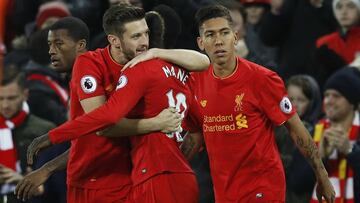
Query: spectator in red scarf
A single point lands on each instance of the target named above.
(17, 128)
(338, 133)
(341, 48)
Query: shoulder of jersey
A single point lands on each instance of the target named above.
(153, 61)
(92, 57)
(93, 54)
(149, 63)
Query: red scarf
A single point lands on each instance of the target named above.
(340, 173)
(61, 92)
(8, 156)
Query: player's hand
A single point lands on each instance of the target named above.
(169, 120)
(8, 176)
(36, 146)
(324, 189)
(29, 185)
(149, 54)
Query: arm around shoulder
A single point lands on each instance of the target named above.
(189, 59)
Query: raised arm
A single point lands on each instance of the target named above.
(189, 59)
(306, 145)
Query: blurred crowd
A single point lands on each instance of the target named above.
(314, 45)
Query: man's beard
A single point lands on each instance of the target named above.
(129, 55)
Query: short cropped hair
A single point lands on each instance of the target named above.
(76, 28)
(13, 74)
(117, 16)
(210, 12)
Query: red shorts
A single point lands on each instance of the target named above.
(166, 188)
(108, 195)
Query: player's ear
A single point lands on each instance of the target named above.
(200, 43)
(114, 41)
(81, 45)
(236, 36)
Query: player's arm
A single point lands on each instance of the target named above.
(108, 114)
(306, 145)
(189, 59)
(117, 106)
(28, 186)
(194, 140)
(91, 99)
(192, 144)
(168, 120)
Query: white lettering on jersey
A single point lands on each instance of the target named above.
(180, 74)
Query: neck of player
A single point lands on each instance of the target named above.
(225, 69)
(117, 55)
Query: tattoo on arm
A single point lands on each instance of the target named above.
(310, 151)
(188, 146)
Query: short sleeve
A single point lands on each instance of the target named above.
(87, 78)
(273, 98)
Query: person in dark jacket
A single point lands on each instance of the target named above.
(340, 48)
(294, 26)
(338, 138)
(47, 97)
(18, 127)
(304, 94)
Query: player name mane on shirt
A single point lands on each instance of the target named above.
(179, 74)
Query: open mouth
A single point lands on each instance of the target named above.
(55, 62)
(140, 51)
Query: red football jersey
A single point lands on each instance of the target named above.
(148, 88)
(96, 162)
(238, 116)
